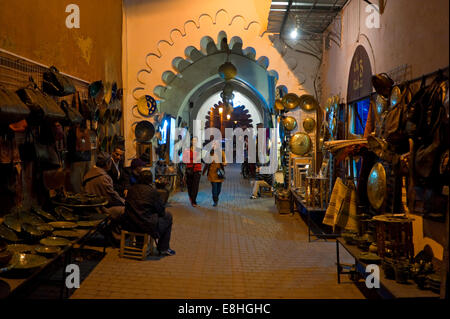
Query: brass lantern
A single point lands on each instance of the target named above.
(289, 123)
(227, 71)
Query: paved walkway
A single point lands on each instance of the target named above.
(241, 249)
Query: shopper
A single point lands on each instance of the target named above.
(261, 180)
(145, 213)
(192, 160)
(213, 171)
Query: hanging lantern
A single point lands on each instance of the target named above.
(227, 71)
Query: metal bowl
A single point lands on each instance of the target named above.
(144, 131)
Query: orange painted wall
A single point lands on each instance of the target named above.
(36, 29)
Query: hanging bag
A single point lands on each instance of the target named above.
(72, 114)
(42, 106)
(12, 109)
(56, 84)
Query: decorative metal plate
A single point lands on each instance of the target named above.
(27, 261)
(54, 241)
(146, 105)
(309, 124)
(289, 123)
(47, 250)
(8, 234)
(376, 186)
(63, 225)
(308, 103)
(300, 143)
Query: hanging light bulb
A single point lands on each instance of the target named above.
(294, 34)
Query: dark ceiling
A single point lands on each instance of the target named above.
(310, 17)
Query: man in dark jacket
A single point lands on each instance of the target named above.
(145, 213)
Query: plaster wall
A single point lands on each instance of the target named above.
(36, 29)
(412, 32)
(156, 32)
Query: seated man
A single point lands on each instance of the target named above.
(130, 174)
(145, 213)
(262, 180)
(98, 182)
(116, 170)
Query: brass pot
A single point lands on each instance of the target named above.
(279, 105)
(290, 101)
(289, 123)
(308, 103)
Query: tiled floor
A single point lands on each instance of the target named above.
(241, 249)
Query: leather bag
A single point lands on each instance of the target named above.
(56, 84)
(72, 114)
(12, 109)
(382, 84)
(41, 105)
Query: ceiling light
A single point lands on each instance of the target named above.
(294, 34)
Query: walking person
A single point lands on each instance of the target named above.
(215, 172)
(192, 160)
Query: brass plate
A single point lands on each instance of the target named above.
(88, 223)
(396, 95)
(290, 101)
(289, 123)
(47, 250)
(279, 105)
(63, 225)
(146, 105)
(13, 222)
(8, 234)
(21, 248)
(376, 186)
(381, 105)
(308, 103)
(27, 261)
(300, 143)
(66, 233)
(309, 124)
(54, 241)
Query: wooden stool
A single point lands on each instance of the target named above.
(136, 245)
(265, 191)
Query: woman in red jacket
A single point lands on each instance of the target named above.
(192, 160)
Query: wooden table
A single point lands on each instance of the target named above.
(299, 204)
(389, 289)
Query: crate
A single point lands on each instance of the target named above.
(283, 205)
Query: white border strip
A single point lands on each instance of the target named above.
(42, 65)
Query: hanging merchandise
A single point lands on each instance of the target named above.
(41, 105)
(300, 143)
(12, 109)
(382, 84)
(308, 103)
(290, 101)
(72, 114)
(146, 105)
(376, 186)
(309, 125)
(336, 201)
(56, 84)
(289, 123)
